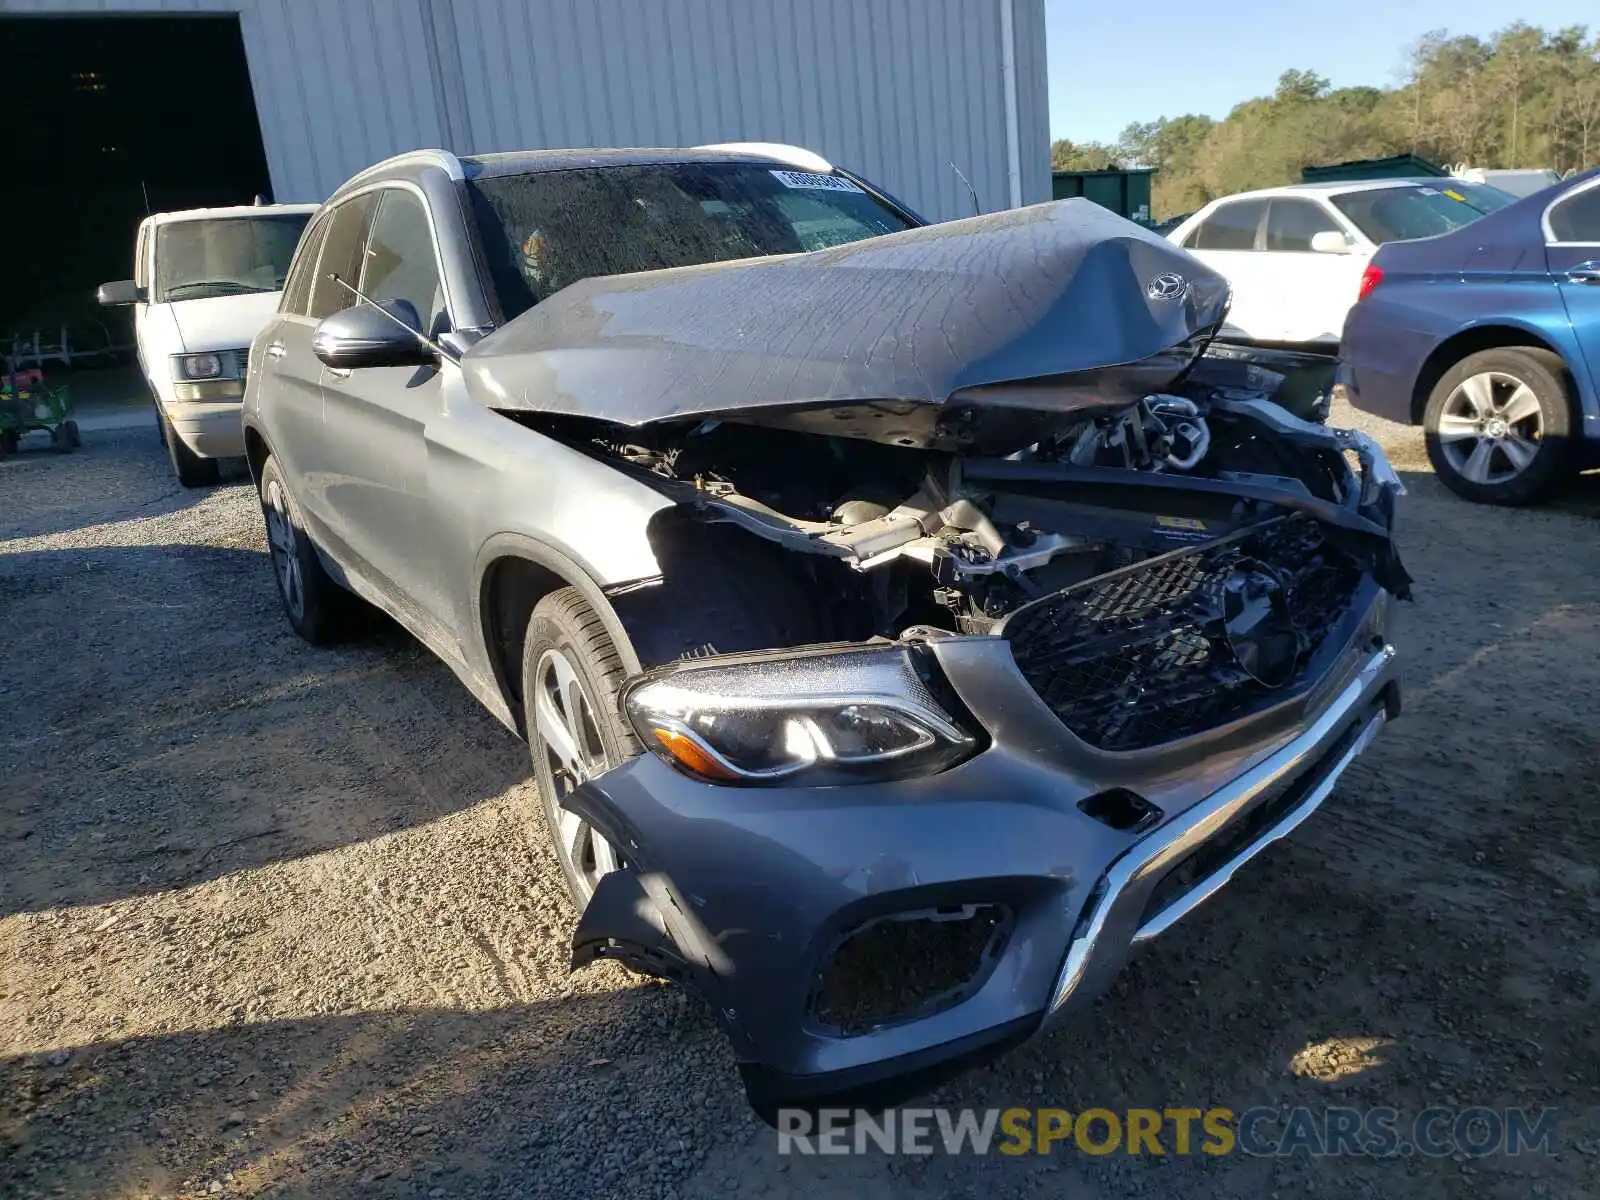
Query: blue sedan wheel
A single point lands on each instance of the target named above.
(1498, 425)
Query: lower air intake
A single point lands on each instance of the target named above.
(906, 966)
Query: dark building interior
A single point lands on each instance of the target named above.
(111, 118)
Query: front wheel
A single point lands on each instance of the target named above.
(571, 673)
(1499, 425)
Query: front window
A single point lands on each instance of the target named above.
(1230, 227)
(1397, 214)
(225, 256)
(547, 229)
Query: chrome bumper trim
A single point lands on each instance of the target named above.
(1165, 847)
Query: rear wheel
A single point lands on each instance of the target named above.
(1499, 425)
(317, 607)
(189, 467)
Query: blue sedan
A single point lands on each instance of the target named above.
(1489, 338)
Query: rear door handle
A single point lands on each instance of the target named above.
(1588, 272)
(275, 349)
(338, 373)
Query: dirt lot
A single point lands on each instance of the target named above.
(270, 923)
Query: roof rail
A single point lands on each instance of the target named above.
(443, 159)
(795, 156)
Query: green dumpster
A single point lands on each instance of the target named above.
(1125, 192)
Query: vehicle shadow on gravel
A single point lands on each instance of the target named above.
(1581, 496)
(183, 731)
(584, 1094)
(118, 475)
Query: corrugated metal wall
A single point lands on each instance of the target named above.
(896, 89)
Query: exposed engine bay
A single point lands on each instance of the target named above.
(1158, 568)
(961, 541)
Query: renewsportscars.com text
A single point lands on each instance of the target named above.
(1260, 1132)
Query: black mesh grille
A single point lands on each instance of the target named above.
(1145, 655)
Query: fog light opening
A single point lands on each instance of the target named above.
(907, 966)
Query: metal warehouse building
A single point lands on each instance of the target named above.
(128, 104)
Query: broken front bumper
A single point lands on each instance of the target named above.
(747, 895)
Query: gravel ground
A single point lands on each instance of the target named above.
(271, 923)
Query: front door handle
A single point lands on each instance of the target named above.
(275, 349)
(1588, 272)
(338, 373)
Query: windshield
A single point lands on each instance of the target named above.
(547, 229)
(227, 256)
(1397, 214)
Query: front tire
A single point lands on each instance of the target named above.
(1498, 426)
(192, 470)
(318, 609)
(571, 673)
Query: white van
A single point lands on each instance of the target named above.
(204, 283)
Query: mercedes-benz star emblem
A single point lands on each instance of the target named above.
(1166, 286)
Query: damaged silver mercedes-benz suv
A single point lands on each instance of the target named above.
(905, 619)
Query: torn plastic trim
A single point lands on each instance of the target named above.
(1269, 488)
(1377, 474)
(635, 917)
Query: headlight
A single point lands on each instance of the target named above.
(215, 364)
(814, 719)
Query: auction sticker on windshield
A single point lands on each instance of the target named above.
(822, 183)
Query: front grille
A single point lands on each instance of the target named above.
(1169, 648)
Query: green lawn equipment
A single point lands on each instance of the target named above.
(27, 403)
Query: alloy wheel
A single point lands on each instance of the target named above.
(569, 737)
(1490, 427)
(281, 544)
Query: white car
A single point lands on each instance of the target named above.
(1296, 255)
(204, 283)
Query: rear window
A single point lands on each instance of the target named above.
(1398, 214)
(1577, 219)
(225, 256)
(544, 230)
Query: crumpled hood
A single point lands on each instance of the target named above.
(1066, 294)
(222, 322)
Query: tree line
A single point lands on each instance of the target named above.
(1522, 97)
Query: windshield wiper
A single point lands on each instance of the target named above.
(231, 286)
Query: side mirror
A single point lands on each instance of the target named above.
(122, 291)
(1330, 241)
(362, 336)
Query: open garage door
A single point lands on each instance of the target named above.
(111, 117)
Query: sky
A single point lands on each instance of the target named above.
(1115, 63)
